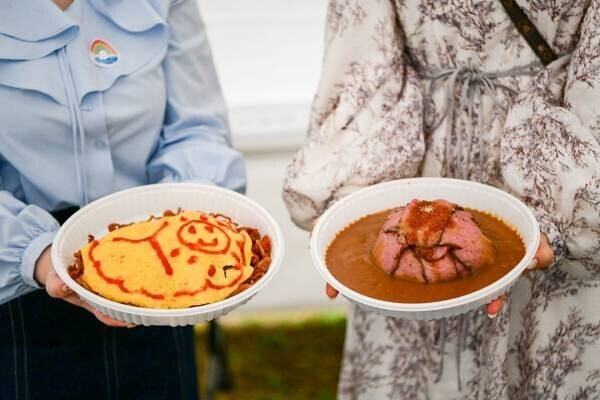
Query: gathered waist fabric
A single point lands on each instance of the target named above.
(463, 90)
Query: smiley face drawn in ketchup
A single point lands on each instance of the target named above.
(218, 243)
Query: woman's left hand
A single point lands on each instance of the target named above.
(543, 258)
(56, 288)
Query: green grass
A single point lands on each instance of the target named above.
(284, 360)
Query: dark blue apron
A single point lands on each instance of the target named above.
(50, 349)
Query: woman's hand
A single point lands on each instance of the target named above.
(330, 291)
(55, 287)
(543, 258)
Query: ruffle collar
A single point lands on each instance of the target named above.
(33, 20)
(133, 16)
(32, 29)
(136, 29)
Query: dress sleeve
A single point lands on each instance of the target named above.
(194, 144)
(366, 121)
(551, 154)
(25, 231)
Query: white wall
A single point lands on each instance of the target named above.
(268, 55)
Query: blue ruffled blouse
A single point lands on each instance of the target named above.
(106, 95)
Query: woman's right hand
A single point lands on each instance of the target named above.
(55, 287)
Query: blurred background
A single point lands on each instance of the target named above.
(268, 56)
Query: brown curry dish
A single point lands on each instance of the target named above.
(349, 258)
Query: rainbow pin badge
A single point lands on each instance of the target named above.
(103, 54)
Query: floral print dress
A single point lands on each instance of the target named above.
(450, 88)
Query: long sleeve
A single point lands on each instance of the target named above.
(366, 117)
(551, 154)
(25, 231)
(194, 143)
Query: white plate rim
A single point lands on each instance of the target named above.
(278, 247)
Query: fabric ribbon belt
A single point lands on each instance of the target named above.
(465, 89)
(472, 85)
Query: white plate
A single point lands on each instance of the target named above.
(397, 193)
(138, 204)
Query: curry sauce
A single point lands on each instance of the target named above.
(348, 258)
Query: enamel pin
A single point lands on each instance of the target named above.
(103, 54)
